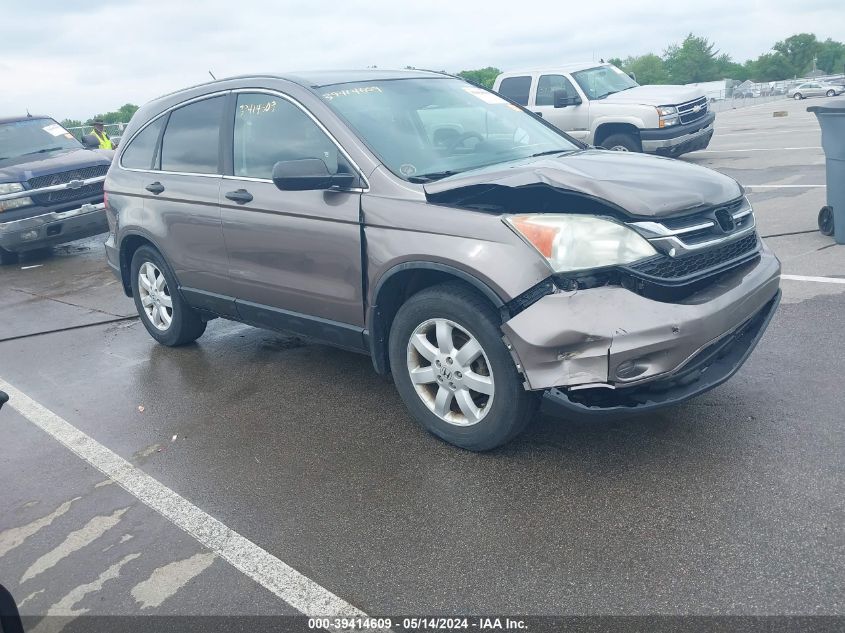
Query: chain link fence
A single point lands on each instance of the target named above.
(112, 129)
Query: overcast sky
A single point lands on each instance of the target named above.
(75, 59)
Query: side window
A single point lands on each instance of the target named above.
(269, 129)
(140, 152)
(516, 89)
(548, 84)
(191, 140)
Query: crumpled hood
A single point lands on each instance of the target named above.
(21, 168)
(637, 184)
(654, 95)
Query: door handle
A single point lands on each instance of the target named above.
(155, 187)
(241, 196)
(539, 114)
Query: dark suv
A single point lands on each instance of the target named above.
(51, 187)
(477, 253)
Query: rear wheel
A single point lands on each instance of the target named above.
(7, 258)
(163, 311)
(454, 373)
(826, 221)
(622, 143)
(831, 93)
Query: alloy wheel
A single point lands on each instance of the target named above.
(155, 296)
(450, 372)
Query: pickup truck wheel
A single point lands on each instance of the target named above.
(622, 143)
(7, 258)
(454, 373)
(163, 311)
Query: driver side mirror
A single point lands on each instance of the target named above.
(89, 141)
(308, 174)
(561, 100)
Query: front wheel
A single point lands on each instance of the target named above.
(622, 143)
(798, 96)
(7, 258)
(831, 93)
(454, 373)
(163, 311)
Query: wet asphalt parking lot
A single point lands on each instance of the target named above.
(327, 493)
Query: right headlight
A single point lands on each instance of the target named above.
(14, 203)
(667, 116)
(581, 242)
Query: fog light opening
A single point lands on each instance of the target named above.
(631, 369)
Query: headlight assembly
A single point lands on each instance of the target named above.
(580, 242)
(14, 203)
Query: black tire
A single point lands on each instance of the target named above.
(826, 221)
(798, 96)
(831, 93)
(511, 407)
(186, 325)
(8, 258)
(618, 141)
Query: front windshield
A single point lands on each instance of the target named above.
(34, 136)
(602, 81)
(424, 129)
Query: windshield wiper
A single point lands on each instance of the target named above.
(613, 92)
(435, 175)
(42, 151)
(551, 151)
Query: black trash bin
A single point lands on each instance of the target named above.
(832, 121)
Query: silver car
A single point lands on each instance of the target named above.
(815, 89)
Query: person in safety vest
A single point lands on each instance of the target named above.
(100, 134)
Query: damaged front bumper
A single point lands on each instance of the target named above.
(53, 228)
(609, 350)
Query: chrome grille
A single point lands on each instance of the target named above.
(692, 111)
(64, 177)
(699, 244)
(699, 230)
(708, 261)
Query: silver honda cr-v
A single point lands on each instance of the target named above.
(475, 252)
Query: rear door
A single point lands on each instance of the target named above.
(294, 256)
(182, 204)
(572, 119)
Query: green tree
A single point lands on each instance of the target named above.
(769, 67)
(648, 69)
(692, 61)
(121, 115)
(66, 123)
(482, 76)
(831, 56)
(729, 69)
(799, 50)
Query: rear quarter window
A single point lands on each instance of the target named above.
(140, 153)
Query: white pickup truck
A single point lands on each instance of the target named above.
(601, 105)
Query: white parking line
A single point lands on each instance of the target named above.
(297, 590)
(824, 280)
(782, 186)
(760, 149)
